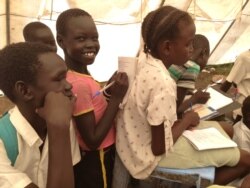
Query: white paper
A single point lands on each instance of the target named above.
(204, 111)
(209, 138)
(128, 65)
(217, 100)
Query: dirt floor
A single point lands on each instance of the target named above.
(207, 75)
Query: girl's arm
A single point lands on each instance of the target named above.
(158, 139)
(92, 133)
(198, 97)
(190, 119)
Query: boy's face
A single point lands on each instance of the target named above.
(182, 47)
(51, 76)
(80, 42)
(45, 36)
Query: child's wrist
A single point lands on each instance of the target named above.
(106, 95)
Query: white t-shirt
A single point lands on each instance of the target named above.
(242, 136)
(30, 165)
(151, 102)
(240, 75)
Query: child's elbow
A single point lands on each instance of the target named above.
(158, 151)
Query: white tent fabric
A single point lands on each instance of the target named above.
(225, 23)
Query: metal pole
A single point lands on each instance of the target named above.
(8, 22)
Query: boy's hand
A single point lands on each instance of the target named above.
(200, 97)
(192, 117)
(57, 109)
(119, 89)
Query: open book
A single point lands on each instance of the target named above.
(204, 111)
(217, 100)
(208, 138)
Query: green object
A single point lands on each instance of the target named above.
(9, 137)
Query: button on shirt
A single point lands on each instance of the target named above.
(30, 165)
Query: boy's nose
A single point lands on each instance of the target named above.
(67, 89)
(68, 86)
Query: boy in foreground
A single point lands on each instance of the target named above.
(34, 78)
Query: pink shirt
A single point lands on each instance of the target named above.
(85, 87)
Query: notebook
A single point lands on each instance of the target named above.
(208, 138)
(217, 100)
(204, 111)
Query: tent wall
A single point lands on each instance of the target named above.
(3, 36)
(225, 23)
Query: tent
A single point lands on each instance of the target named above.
(226, 23)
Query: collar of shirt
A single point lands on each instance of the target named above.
(24, 128)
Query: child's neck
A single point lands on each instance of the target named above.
(79, 68)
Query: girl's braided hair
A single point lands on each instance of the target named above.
(162, 24)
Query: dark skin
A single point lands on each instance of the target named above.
(182, 44)
(80, 45)
(225, 86)
(200, 56)
(246, 182)
(45, 36)
(47, 105)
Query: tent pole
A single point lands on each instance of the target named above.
(227, 31)
(8, 22)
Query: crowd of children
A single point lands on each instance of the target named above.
(63, 132)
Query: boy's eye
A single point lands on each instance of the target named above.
(60, 77)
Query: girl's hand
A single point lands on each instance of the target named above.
(192, 117)
(119, 89)
(200, 97)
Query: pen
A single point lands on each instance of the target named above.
(104, 88)
(191, 105)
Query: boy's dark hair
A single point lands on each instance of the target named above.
(200, 41)
(65, 16)
(19, 61)
(162, 24)
(246, 108)
(30, 28)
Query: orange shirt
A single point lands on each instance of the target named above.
(85, 87)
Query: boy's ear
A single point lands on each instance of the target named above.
(23, 91)
(59, 39)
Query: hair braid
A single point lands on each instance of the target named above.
(146, 30)
(161, 23)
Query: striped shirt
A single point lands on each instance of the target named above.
(185, 75)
